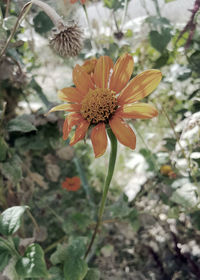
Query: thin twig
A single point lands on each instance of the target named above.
(116, 24)
(33, 220)
(23, 12)
(177, 137)
(7, 8)
(53, 245)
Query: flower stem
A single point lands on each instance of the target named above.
(124, 13)
(56, 19)
(112, 160)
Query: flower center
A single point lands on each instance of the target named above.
(99, 105)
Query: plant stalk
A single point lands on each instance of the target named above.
(22, 14)
(112, 160)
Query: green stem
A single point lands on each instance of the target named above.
(115, 20)
(93, 43)
(157, 8)
(124, 13)
(112, 160)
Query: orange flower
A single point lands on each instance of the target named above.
(105, 100)
(72, 184)
(74, 1)
(89, 65)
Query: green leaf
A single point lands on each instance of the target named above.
(92, 274)
(156, 21)
(77, 247)
(3, 37)
(59, 255)
(119, 208)
(10, 219)
(12, 170)
(56, 273)
(129, 33)
(162, 60)
(75, 268)
(184, 74)
(167, 1)
(4, 258)
(3, 149)
(114, 4)
(20, 125)
(42, 23)
(134, 220)
(150, 158)
(170, 143)
(195, 217)
(32, 264)
(194, 61)
(159, 41)
(9, 22)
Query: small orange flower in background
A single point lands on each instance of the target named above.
(105, 100)
(74, 1)
(72, 184)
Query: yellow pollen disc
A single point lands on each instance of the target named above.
(99, 105)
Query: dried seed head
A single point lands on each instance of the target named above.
(67, 39)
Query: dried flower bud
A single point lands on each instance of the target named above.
(67, 39)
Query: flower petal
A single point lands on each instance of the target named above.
(80, 132)
(82, 80)
(65, 129)
(102, 71)
(99, 139)
(137, 111)
(140, 86)
(122, 71)
(70, 94)
(123, 132)
(66, 107)
(71, 120)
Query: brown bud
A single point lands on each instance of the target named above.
(67, 40)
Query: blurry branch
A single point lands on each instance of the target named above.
(115, 20)
(147, 148)
(124, 13)
(157, 260)
(2, 117)
(177, 138)
(157, 7)
(191, 25)
(53, 245)
(39, 92)
(22, 14)
(7, 8)
(92, 41)
(33, 220)
(143, 3)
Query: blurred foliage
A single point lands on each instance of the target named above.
(151, 229)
